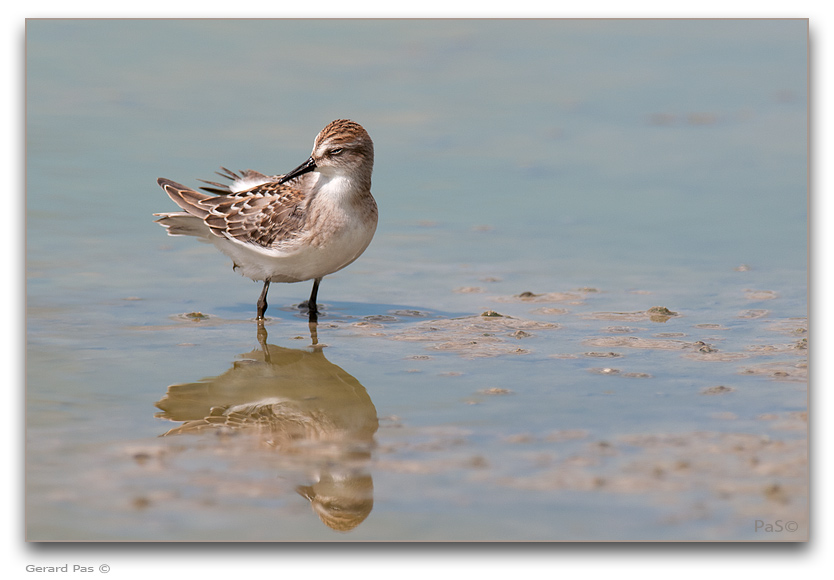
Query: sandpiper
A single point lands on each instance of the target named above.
(303, 225)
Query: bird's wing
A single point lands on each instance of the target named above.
(264, 215)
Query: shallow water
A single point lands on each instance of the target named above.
(566, 176)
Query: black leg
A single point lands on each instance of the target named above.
(262, 301)
(311, 303)
(312, 308)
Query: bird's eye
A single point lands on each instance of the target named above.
(337, 151)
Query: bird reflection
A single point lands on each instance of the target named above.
(300, 404)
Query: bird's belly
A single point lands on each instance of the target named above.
(309, 258)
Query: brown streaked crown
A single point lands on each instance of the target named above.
(345, 133)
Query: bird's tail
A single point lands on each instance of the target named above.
(184, 224)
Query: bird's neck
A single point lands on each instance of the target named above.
(341, 188)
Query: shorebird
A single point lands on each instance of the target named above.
(302, 225)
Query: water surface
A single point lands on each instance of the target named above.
(566, 176)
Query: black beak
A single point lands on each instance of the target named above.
(305, 167)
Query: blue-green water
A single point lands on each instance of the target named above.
(604, 166)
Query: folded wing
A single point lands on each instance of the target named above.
(265, 215)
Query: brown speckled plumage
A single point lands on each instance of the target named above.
(263, 215)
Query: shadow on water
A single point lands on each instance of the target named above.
(299, 404)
